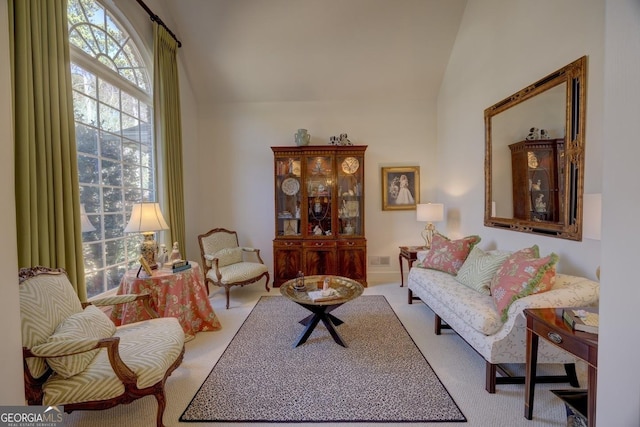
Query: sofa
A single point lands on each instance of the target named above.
(500, 338)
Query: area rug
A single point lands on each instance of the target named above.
(380, 377)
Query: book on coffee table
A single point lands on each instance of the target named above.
(318, 296)
(583, 319)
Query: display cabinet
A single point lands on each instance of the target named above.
(319, 212)
(538, 179)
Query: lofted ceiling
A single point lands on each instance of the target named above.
(314, 50)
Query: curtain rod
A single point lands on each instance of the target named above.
(157, 19)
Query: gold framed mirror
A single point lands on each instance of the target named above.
(534, 156)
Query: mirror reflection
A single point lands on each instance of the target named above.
(533, 166)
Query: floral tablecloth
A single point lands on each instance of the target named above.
(182, 295)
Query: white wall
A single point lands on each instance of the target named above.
(618, 375)
(12, 391)
(236, 165)
(501, 48)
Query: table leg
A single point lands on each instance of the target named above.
(530, 375)
(592, 377)
(401, 273)
(315, 319)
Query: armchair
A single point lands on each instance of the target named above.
(224, 261)
(73, 355)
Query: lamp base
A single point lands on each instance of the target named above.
(148, 250)
(427, 234)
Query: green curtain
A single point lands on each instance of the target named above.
(47, 189)
(166, 105)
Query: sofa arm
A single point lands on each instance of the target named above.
(568, 291)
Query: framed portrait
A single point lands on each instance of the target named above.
(400, 188)
(144, 265)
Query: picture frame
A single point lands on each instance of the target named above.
(144, 265)
(290, 227)
(400, 188)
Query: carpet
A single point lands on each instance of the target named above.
(380, 377)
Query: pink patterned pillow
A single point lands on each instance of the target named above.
(521, 275)
(449, 255)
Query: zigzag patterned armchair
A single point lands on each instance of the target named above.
(225, 264)
(76, 357)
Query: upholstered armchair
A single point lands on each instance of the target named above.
(76, 357)
(226, 264)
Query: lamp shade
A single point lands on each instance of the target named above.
(145, 217)
(592, 225)
(85, 224)
(430, 212)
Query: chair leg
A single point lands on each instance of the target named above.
(162, 404)
(226, 291)
(266, 283)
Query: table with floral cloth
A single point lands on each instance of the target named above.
(182, 295)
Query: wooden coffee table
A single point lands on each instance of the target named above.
(346, 289)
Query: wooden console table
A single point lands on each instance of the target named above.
(410, 253)
(548, 324)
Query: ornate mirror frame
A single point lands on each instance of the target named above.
(571, 185)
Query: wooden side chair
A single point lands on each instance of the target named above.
(74, 356)
(227, 264)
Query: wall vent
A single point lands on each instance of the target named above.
(379, 261)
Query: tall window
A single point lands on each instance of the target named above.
(114, 131)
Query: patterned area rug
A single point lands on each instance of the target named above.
(380, 377)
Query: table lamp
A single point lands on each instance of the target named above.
(146, 218)
(85, 224)
(429, 213)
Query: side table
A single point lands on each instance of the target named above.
(548, 324)
(182, 295)
(410, 253)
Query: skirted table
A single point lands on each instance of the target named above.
(182, 295)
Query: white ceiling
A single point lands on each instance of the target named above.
(315, 50)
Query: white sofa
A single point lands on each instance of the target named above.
(473, 316)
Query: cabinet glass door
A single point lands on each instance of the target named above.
(350, 200)
(319, 196)
(288, 196)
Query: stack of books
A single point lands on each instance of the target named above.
(180, 265)
(583, 319)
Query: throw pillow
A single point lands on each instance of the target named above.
(90, 324)
(479, 268)
(228, 256)
(521, 275)
(449, 255)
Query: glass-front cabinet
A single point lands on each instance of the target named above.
(319, 212)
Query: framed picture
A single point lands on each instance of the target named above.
(400, 188)
(290, 227)
(144, 265)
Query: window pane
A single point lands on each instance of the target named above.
(83, 81)
(88, 169)
(130, 128)
(112, 200)
(86, 139)
(93, 255)
(130, 152)
(85, 109)
(109, 94)
(109, 119)
(114, 251)
(111, 173)
(110, 146)
(130, 105)
(132, 176)
(113, 227)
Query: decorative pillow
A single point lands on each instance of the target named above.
(228, 256)
(479, 268)
(92, 323)
(449, 255)
(521, 275)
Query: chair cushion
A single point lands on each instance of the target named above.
(227, 256)
(521, 275)
(148, 348)
(45, 301)
(239, 272)
(92, 323)
(449, 255)
(479, 268)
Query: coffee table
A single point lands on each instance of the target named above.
(346, 290)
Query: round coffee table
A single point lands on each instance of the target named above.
(344, 289)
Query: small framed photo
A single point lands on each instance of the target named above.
(290, 227)
(145, 265)
(400, 188)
